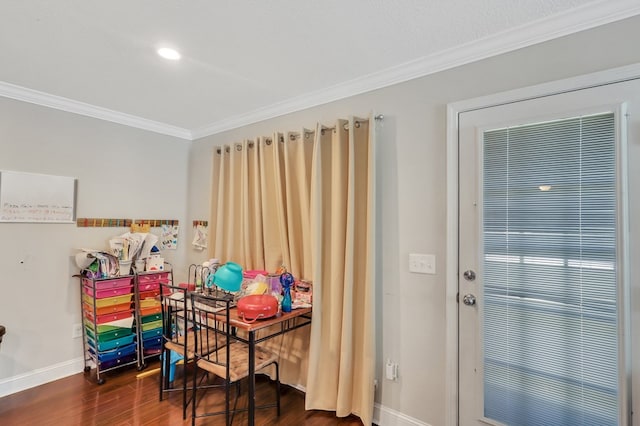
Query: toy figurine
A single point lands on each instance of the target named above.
(286, 280)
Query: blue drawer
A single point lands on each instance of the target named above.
(118, 361)
(115, 353)
(151, 333)
(153, 343)
(112, 344)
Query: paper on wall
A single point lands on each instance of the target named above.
(169, 237)
(200, 237)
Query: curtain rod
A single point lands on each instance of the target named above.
(378, 117)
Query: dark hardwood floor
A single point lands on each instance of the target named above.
(125, 399)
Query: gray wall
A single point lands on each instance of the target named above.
(125, 172)
(122, 173)
(412, 192)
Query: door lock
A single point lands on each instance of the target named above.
(469, 299)
(469, 275)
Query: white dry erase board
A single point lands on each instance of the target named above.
(31, 197)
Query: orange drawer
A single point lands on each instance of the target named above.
(151, 310)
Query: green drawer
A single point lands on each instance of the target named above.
(149, 318)
(109, 335)
(151, 325)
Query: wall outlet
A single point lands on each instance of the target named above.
(76, 331)
(391, 370)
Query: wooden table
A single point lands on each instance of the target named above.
(275, 326)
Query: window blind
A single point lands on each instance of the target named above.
(550, 273)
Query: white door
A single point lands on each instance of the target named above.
(543, 280)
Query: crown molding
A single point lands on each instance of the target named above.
(582, 18)
(24, 94)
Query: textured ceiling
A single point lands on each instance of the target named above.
(241, 57)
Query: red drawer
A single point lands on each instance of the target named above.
(101, 319)
(153, 294)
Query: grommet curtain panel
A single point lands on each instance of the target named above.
(305, 200)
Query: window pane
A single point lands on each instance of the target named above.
(550, 279)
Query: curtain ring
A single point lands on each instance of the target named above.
(268, 141)
(292, 137)
(238, 147)
(227, 149)
(251, 144)
(218, 151)
(357, 124)
(281, 139)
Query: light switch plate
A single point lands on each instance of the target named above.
(422, 263)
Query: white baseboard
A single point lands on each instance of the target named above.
(40, 376)
(384, 416)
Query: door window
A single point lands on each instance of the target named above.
(550, 273)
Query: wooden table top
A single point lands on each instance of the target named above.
(281, 317)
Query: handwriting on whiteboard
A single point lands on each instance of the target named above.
(25, 212)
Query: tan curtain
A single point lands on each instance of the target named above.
(305, 200)
(342, 346)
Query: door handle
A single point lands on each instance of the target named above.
(469, 299)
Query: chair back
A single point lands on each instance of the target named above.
(210, 316)
(175, 320)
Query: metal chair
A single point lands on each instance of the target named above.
(178, 341)
(218, 351)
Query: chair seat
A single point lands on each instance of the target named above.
(177, 345)
(239, 366)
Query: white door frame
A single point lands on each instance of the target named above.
(453, 111)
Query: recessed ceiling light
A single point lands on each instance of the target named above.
(169, 53)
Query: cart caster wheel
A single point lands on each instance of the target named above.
(87, 369)
(101, 382)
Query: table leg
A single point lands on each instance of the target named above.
(252, 378)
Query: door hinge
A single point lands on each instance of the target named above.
(457, 297)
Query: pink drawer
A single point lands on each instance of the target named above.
(110, 292)
(108, 283)
(153, 277)
(102, 319)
